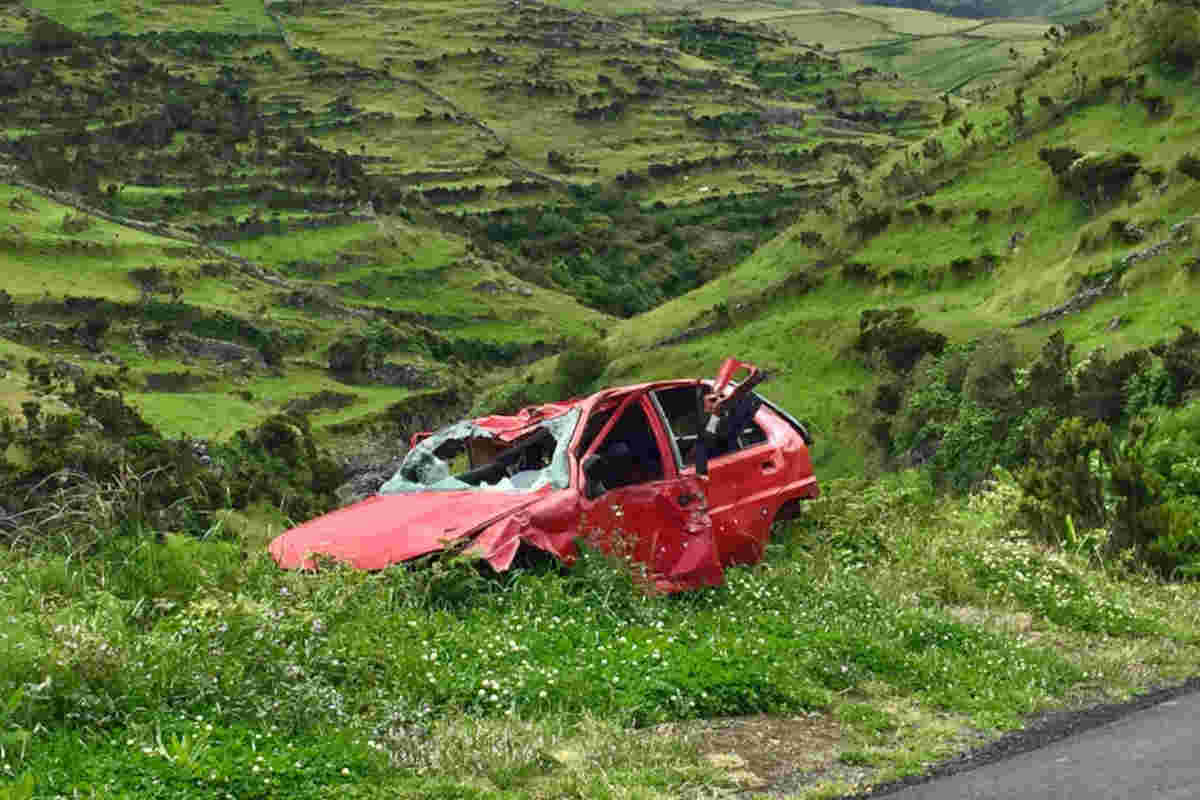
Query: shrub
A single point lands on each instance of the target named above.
(1181, 360)
(1100, 177)
(348, 357)
(1189, 165)
(962, 267)
(1102, 386)
(1059, 159)
(1147, 389)
(1171, 33)
(1084, 479)
(990, 379)
(580, 365)
(871, 224)
(46, 35)
(1050, 384)
(894, 335)
(98, 470)
(1065, 481)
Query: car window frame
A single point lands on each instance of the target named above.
(669, 432)
(658, 429)
(665, 424)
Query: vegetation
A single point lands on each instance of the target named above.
(246, 246)
(197, 670)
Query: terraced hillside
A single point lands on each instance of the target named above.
(933, 47)
(1069, 203)
(983, 306)
(355, 203)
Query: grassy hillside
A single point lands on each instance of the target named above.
(980, 303)
(947, 48)
(976, 196)
(458, 189)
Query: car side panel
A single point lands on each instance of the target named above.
(747, 488)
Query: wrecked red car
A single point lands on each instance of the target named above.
(684, 476)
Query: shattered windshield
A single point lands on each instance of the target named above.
(467, 456)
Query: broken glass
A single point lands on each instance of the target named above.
(534, 460)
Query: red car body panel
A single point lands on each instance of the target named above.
(684, 528)
(387, 529)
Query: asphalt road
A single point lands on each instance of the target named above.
(1151, 753)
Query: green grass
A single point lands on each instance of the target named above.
(905, 621)
(239, 665)
(807, 339)
(102, 17)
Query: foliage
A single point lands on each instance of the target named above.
(97, 470)
(870, 224)
(237, 639)
(46, 35)
(1189, 165)
(580, 364)
(1084, 478)
(1066, 482)
(1181, 361)
(894, 335)
(1099, 177)
(1171, 32)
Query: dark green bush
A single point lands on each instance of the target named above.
(1059, 159)
(990, 378)
(1181, 360)
(1102, 387)
(46, 35)
(1171, 33)
(1065, 480)
(1084, 478)
(1101, 177)
(99, 470)
(893, 335)
(580, 365)
(1050, 384)
(1189, 165)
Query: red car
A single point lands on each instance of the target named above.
(685, 476)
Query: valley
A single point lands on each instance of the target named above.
(247, 250)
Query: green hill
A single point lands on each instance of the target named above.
(248, 249)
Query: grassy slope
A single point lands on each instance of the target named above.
(929, 49)
(908, 627)
(43, 262)
(807, 339)
(900, 628)
(421, 270)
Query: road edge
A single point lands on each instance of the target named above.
(1044, 729)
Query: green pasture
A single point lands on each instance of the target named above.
(104, 17)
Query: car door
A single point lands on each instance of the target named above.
(745, 472)
(743, 493)
(637, 504)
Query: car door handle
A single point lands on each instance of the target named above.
(768, 465)
(686, 499)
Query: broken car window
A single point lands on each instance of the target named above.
(629, 453)
(681, 407)
(468, 457)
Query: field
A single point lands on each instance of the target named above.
(442, 184)
(948, 49)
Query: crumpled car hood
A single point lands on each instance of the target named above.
(387, 529)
